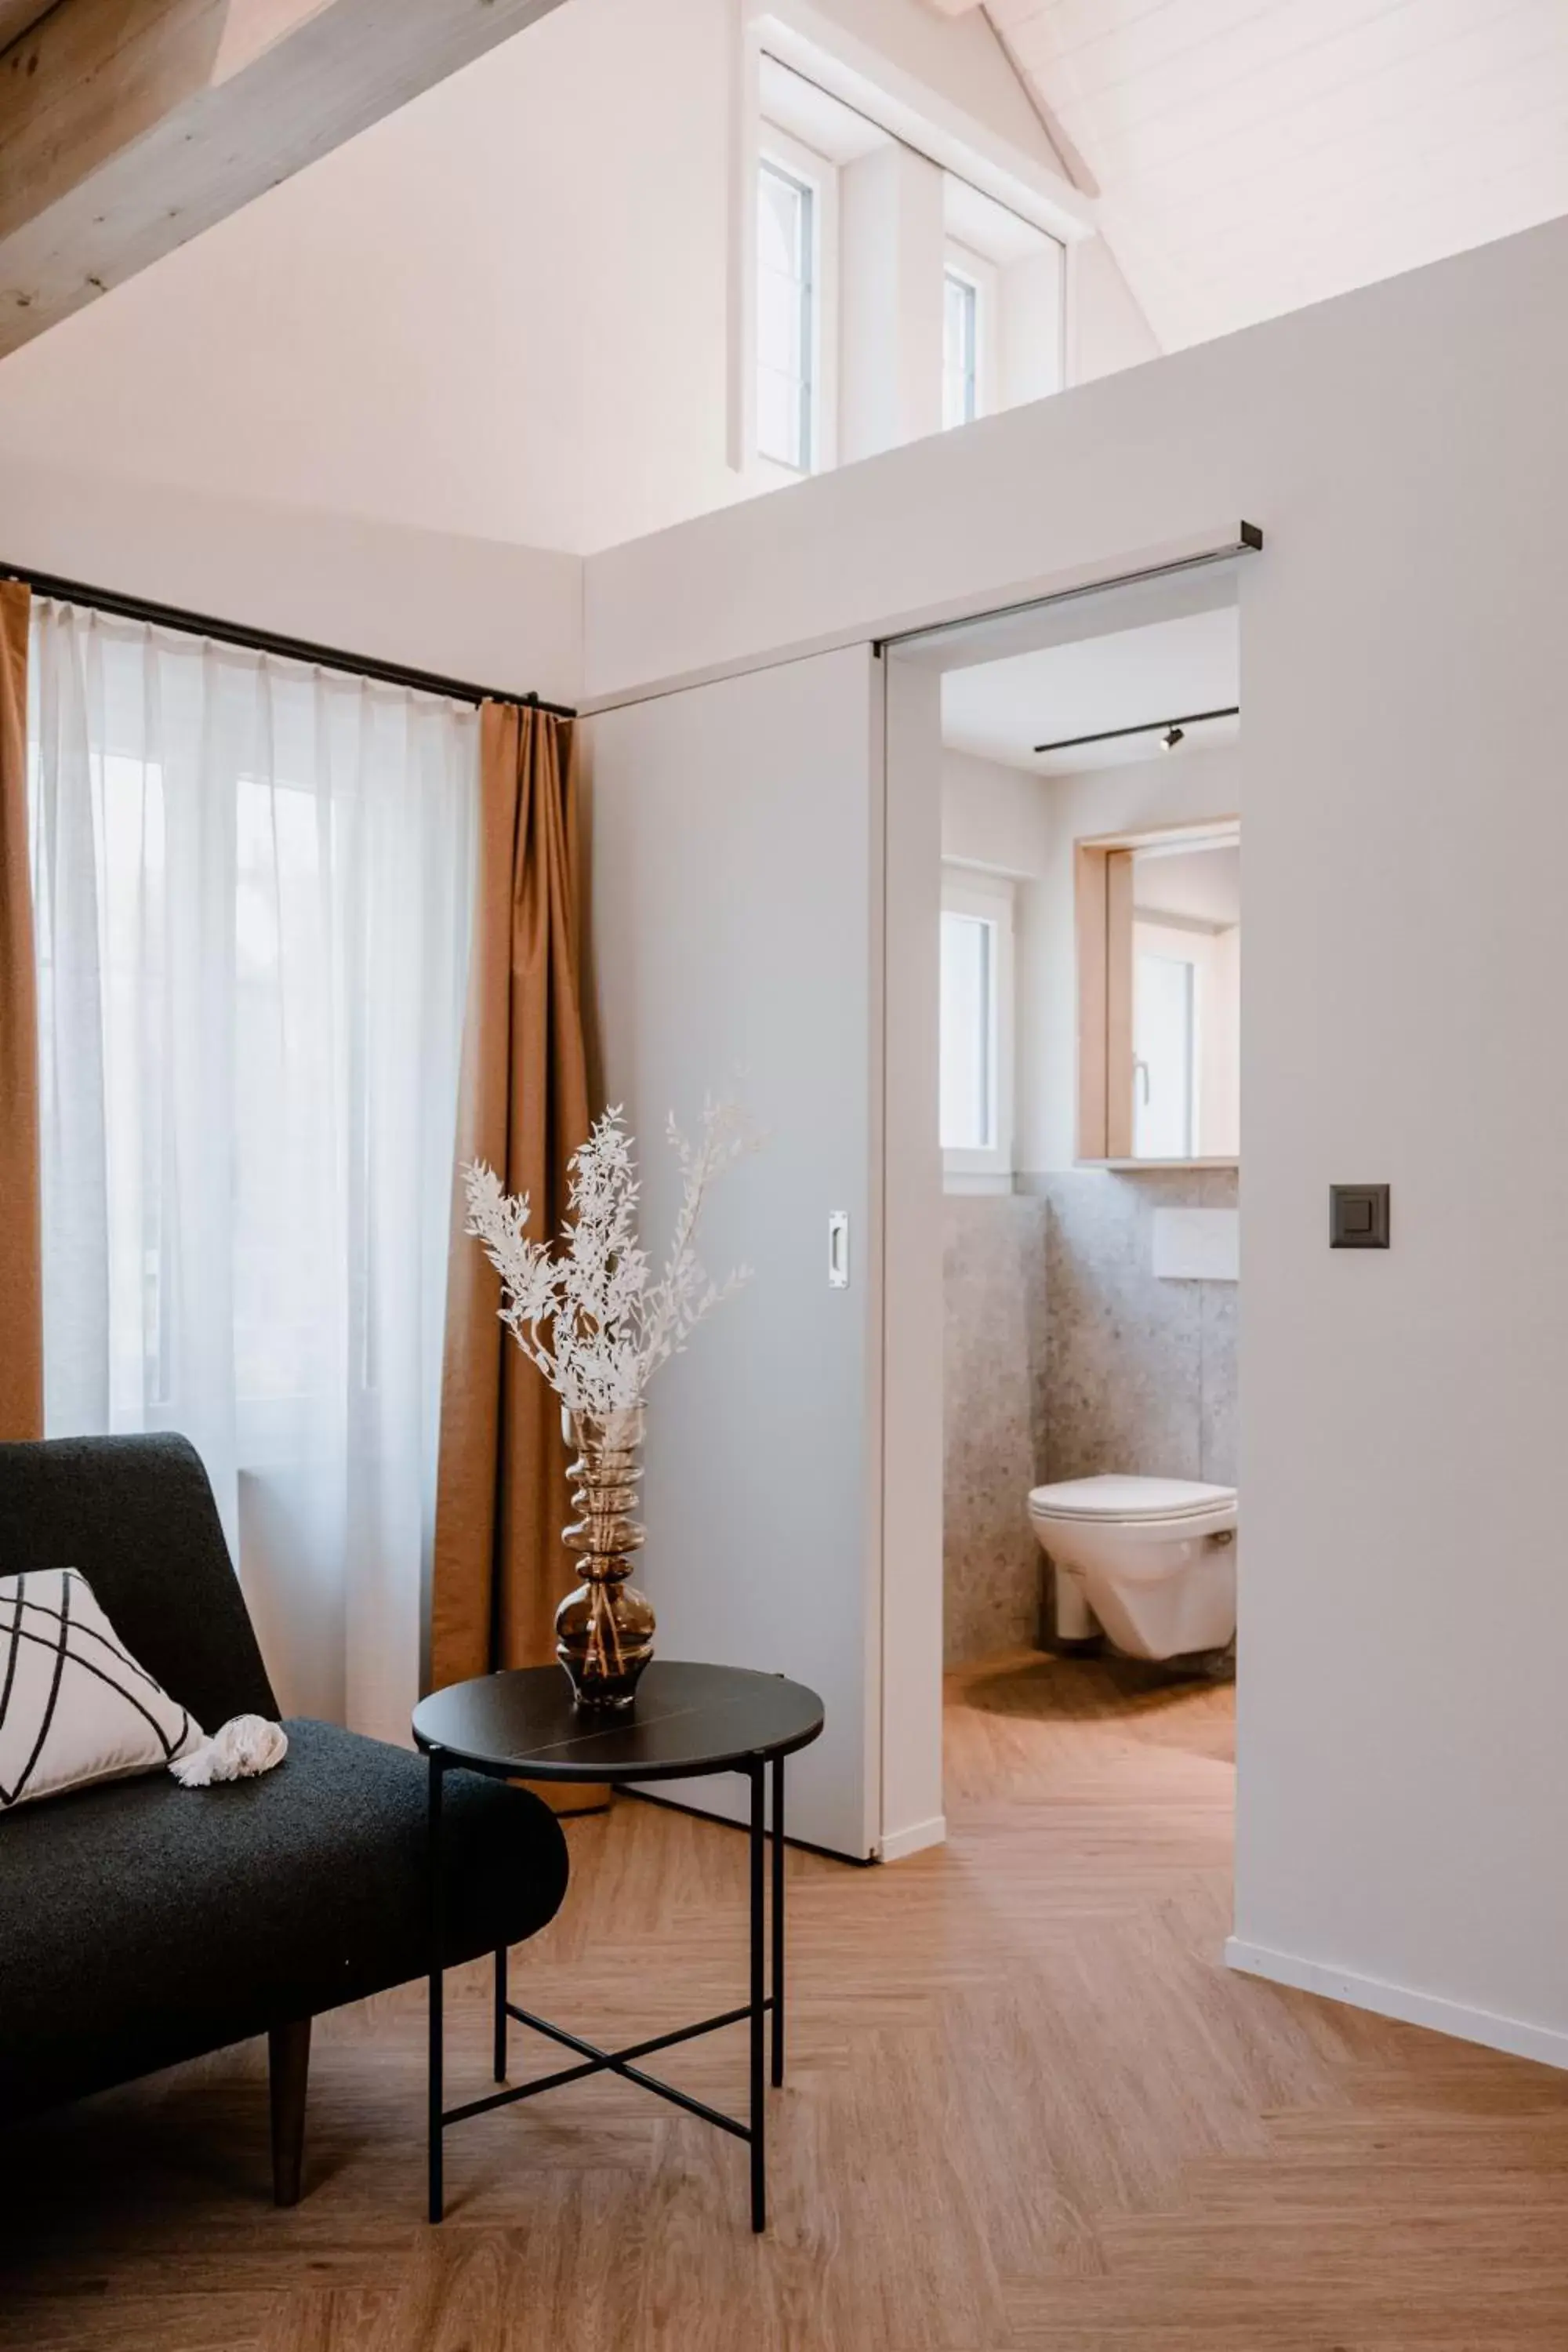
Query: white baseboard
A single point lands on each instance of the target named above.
(894, 1848)
(1545, 2043)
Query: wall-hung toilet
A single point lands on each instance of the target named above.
(1153, 1558)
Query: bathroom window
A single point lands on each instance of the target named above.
(976, 1088)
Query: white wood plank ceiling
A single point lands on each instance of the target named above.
(1254, 156)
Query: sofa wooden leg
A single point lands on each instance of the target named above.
(289, 2057)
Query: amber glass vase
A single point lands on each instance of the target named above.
(603, 1631)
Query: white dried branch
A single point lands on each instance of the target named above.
(586, 1311)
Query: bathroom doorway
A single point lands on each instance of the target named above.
(1086, 1043)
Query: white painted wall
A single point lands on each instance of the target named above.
(1106, 329)
(503, 312)
(406, 331)
(474, 609)
(1032, 352)
(1401, 1754)
(469, 607)
(961, 56)
(891, 318)
(995, 817)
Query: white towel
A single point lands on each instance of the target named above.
(245, 1745)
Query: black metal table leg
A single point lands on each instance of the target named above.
(437, 1949)
(766, 1961)
(778, 1955)
(707, 1719)
(758, 1925)
(500, 2015)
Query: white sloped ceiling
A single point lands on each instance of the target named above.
(1254, 156)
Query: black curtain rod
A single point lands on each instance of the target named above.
(267, 641)
(1150, 726)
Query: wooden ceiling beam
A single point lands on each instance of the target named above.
(16, 15)
(128, 126)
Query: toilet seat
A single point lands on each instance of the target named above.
(1153, 1559)
(1117, 1501)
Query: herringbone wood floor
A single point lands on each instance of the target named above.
(1028, 2112)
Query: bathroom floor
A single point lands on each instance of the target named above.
(1116, 1701)
(1030, 2110)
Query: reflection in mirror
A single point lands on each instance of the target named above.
(1186, 997)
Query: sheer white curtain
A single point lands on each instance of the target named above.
(252, 885)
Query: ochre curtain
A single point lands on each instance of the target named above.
(499, 1569)
(21, 1258)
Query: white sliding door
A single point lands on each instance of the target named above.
(737, 863)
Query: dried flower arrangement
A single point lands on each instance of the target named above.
(589, 1315)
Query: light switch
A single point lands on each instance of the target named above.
(1358, 1216)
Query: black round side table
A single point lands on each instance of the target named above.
(688, 1721)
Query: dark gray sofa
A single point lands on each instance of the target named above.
(141, 1923)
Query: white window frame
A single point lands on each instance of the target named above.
(803, 164)
(990, 898)
(961, 262)
(1106, 927)
(965, 285)
(889, 102)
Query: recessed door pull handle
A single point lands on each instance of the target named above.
(838, 1250)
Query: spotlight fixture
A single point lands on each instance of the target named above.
(1171, 731)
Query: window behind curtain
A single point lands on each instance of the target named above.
(252, 884)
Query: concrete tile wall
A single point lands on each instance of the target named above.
(994, 1260)
(1140, 1374)
(1066, 1356)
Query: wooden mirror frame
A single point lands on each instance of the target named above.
(1103, 917)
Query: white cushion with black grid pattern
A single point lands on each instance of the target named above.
(75, 1706)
